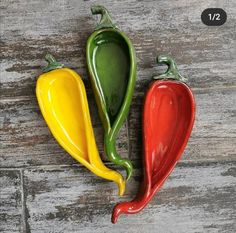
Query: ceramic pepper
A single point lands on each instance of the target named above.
(168, 117)
(112, 68)
(63, 102)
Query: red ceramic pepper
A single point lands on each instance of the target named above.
(168, 117)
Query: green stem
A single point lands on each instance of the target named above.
(105, 21)
(52, 63)
(172, 70)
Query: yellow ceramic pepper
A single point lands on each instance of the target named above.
(63, 102)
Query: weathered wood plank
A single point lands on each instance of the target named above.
(196, 198)
(27, 141)
(10, 201)
(75, 16)
(206, 54)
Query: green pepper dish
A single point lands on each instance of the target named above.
(111, 64)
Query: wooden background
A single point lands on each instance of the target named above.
(42, 189)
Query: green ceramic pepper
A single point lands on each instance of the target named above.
(112, 68)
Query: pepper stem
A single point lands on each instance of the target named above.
(52, 63)
(105, 21)
(172, 70)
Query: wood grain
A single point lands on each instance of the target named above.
(196, 198)
(57, 194)
(206, 54)
(10, 201)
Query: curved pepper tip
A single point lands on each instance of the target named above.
(121, 186)
(115, 157)
(121, 208)
(117, 211)
(129, 169)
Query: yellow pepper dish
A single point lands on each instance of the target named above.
(63, 102)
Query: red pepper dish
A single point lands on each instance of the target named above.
(168, 117)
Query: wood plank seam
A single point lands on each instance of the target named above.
(25, 225)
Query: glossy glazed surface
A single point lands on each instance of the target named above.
(168, 118)
(168, 121)
(111, 63)
(63, 103)
(112, 67)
